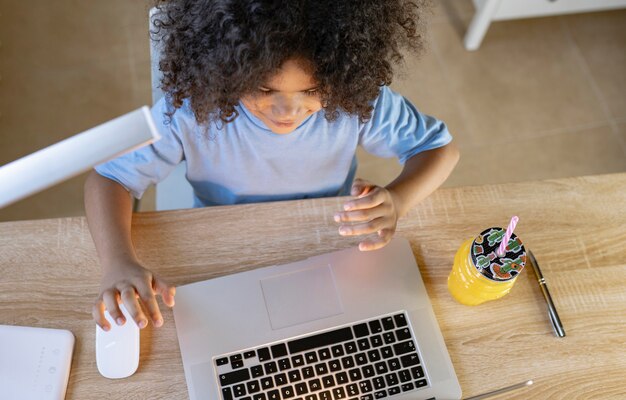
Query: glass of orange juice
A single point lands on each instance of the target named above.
(480, 273)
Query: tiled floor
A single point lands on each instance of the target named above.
(541, 98)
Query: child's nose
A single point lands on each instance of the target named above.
(286, 108)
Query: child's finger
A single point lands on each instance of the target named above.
(381, 240)
(166, 291)
(110, 301)
(360, 187)
(363, 228)
(360, 215)
(132, 306)
(97, 313)
(371, 200)
(149, 301)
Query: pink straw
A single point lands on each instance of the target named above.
(507, 236)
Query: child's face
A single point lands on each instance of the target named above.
(286, 99)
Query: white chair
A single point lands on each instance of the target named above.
(174, 192)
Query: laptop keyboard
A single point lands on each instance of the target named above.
(367, 360)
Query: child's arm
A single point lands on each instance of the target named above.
(109, 212)
(376, 209)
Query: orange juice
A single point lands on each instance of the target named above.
(479, 274)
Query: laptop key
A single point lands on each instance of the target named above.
(360, 359)
(404, 375)
(279, 350)
(421, 383)
(324, 354)
(280, 379)
(284, 364)
(417, 372)
(270, 367)
(376, 341)
(267, 383)
(341, 378)
(392, 379)
(389, 337)
(273, 395)
(311, 397)
(227, 394)
(407, 387)
(380, 394)
(363, 344)
(311, 357)
(379, 382)
(320, 340)
(355, 375)
(301, 388)
(297, 361)
(260, 396)
(403, 334)
(365, 386)
(334, 365)
(288, 392)
(263, 354)
(321, 369)
(350, 347)
(257, 371)
(249, 354)
(315, 385)
(239, 390)
(366, 397)
(337, 350)
(294, 376)
(328, 381)
(231, 378)
(388, 323)
(375, 326)
(221, 361)
(386, 352)
(394, 364)
(253, 387)
(326, 395)
(339, 393)
(237, 364)
(400, 320)
(368, 371)
(393, 390)
(352, 389)
(361, 330)
(308, 372)
(347, 362)
(409, 360)
(404, 347)
(373, 356)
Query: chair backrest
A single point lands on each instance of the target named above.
(174, 192)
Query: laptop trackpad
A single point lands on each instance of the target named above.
(301, 296)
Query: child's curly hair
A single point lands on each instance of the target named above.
(217, 51)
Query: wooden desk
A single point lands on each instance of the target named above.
(576, 227)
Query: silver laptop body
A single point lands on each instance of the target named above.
(343, 325)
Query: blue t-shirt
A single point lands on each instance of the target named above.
(244, 161)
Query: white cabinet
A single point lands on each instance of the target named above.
(498, 10)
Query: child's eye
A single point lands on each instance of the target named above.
(312, 92)
(265, 92)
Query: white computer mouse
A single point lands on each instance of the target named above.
(117, 351)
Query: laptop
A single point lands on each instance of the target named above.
(34, 362)
(343, 325)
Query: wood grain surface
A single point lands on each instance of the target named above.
(576, 228)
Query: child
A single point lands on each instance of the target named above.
(268, 100)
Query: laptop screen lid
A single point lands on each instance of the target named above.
(258, 309)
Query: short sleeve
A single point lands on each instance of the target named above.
(139, 169)
(398, 129)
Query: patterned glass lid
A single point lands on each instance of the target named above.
(485, 258)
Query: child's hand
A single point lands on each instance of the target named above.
(373, 210)
(136, 287)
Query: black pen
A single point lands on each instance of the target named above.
(554, 316)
